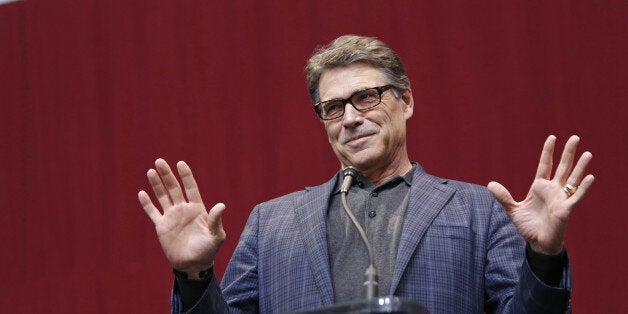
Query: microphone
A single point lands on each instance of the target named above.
(370, 285)
(349, 175)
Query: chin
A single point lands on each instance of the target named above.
(363, 162)
(360, 158)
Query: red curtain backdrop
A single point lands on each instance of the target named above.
(92, 92)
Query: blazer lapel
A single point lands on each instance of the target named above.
(428, 195)
(310, 213)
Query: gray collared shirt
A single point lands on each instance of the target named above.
(380, 210)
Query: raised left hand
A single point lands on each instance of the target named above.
(541, 218)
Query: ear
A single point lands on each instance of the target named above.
(408, 103)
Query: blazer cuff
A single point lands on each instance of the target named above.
(211, 301)
(546, 299)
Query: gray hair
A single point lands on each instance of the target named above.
(349, 49)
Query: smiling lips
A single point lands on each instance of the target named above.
(357, 137)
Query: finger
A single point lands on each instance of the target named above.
(544, 170)
(566, 160)
(191, 189)
(578, 171)
(502, 195)
(159, 189)
(215, 218)
(582, 190)
(149, 207)
(170, 181)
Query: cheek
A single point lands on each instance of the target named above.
(332, 131)
(391, 128)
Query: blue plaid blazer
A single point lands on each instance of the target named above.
(458, 253)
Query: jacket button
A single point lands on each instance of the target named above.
(372, 214)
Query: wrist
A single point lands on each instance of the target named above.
(553, 251)
(195, 274)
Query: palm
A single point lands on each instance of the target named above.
(185, 237)
(189, 235)
(542, 213)
(541, 218)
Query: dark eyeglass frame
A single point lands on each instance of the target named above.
(380, 90)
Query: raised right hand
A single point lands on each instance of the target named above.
(189, 235)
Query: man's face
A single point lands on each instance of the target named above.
(369, 139)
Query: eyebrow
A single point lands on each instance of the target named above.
(352, 93)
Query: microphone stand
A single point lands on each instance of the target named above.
(372, 303)
(370, 286)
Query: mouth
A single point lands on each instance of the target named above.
(357, 138)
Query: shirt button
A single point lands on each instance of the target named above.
(360, 184)
(372, 214)
(374, 194)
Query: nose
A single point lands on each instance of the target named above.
(352, 117)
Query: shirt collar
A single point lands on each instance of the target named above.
(364, 183)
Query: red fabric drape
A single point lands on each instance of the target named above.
(93, 91)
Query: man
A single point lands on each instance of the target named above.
(450, 246)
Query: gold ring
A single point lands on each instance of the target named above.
(570, 189)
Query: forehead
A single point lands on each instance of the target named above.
(343, 81)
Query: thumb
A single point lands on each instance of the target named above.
(214, 222)
(501, 194)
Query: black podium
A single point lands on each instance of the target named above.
(371, 306)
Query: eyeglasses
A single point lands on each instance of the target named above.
(360, 100)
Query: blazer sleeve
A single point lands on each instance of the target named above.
(511, 285)
(211, 301)
(239, 290)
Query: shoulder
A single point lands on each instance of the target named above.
(301, 197)
(460, 200)
(459, 189)
(467, 205)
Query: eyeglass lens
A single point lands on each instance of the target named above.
(361, 100)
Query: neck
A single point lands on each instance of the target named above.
(379, 174)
